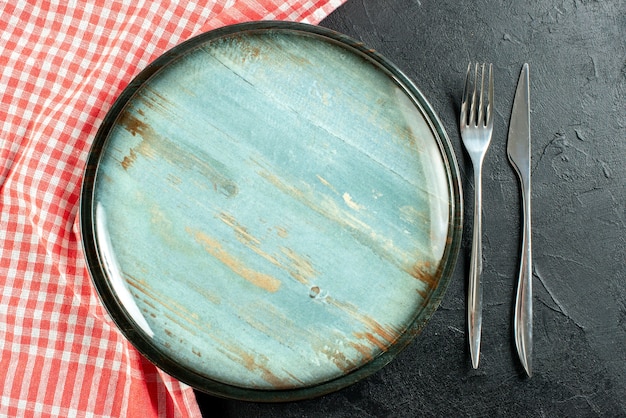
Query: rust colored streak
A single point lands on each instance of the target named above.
(134, 125)
(245, 50)
(247, 239)
(137, 127)
(278, 183)
(178, 320)
(327, 184)
(149, 303)
(256, 363)
(299, 268)
(328, 208)
(141, 286)
(242, 233)
(372, 339)
(214, 299)
(422, 272)
(282, 232)
(339, 359)
(153, 145)
(294, 378)
(182, 317)
(128, 161)
(174, 180)
(406, 133)
(278, 326)
(332, 349)
(364, 349)
(213, 247)
(388, 334)
(422, 293)
(155, 100)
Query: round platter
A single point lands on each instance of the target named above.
(271, 211)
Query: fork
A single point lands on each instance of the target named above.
(476, 125)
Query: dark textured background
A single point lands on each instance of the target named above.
(577, 56)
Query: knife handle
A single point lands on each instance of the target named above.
(523, 321)
(474, 291)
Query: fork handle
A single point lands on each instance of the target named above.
(475, 292)
(523, 318)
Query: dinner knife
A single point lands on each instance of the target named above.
(518, 149)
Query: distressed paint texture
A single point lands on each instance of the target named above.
(278, 208)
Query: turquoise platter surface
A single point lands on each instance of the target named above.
(271, 211)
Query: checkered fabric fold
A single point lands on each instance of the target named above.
(62, 64)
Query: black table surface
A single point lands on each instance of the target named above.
(576, 50)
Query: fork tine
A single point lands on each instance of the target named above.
(465, 99)
(480, 119)
(490, 99)
(472, 111)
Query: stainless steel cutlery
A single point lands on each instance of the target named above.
(476, 127)
(518, 149)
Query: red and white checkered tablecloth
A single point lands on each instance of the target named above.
(62, 64)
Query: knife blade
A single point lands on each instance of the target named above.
(518, 150)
